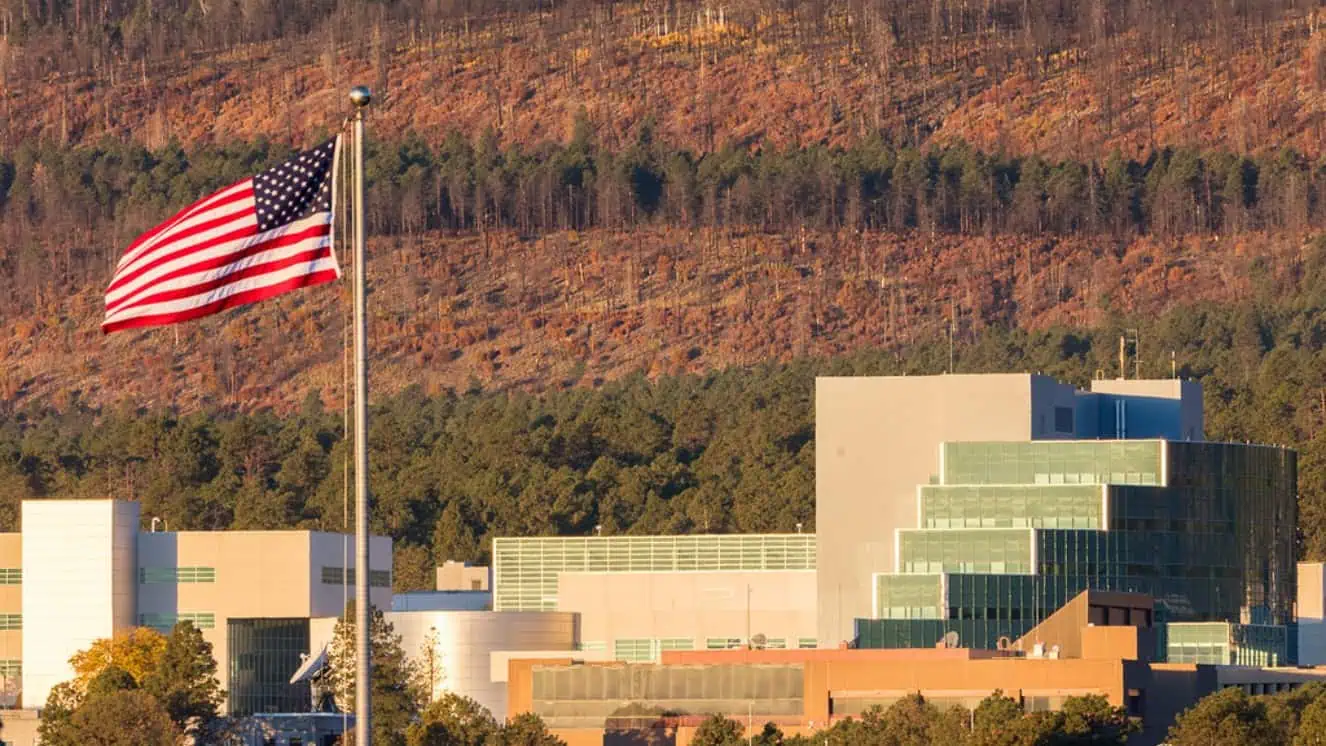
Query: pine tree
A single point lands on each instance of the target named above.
(185, 682)
(396, 697)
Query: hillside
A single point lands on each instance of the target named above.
(577, 308)
(708, 74)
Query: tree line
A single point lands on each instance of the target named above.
(66, 213)
(728, 451)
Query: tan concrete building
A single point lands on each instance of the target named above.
(1311, 614)
(92, 571)
(11, 618)
(635, 616)
(257, 589)
(1100, 643)
(462, 576)
(878, 438)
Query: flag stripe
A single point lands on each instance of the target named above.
(237, 228)
(236, 244)
(310, 263)
(325, 273)
(291, 250)
(260, 237)
(145, 242)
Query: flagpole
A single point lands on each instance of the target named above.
(360, 97)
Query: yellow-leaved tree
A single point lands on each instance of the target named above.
(136, 650)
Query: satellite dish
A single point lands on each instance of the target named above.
(758, 641)
(951, 639)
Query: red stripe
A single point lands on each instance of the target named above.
(122, 280)
(188, 212)
(255, 270)
(238, 299)
(275, 242)
(127, 274)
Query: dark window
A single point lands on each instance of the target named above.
(476, 585)
(264, 653)
(1063, 419)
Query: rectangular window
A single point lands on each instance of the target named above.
(11, 668)
(11, 576)
(11, 621)
(1063, 419)
(166, 622)
(633, 650)
(722, 643)
(173, 575)
(775, 643)
(337, 575)
(261, 654)
(807, 643)
(676, 643)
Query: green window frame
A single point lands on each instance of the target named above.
(722, 643)
(166, 622)
(633, 650)
(335, 576)
(11, 576)
(807, 643)
(176, 575)
(676, 643)
(11, 621)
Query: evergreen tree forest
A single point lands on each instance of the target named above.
(728, 451)
(91, 201)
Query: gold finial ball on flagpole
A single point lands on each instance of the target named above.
(360, 96)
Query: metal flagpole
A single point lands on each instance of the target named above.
(360, 97)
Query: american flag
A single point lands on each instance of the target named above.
(264, 236)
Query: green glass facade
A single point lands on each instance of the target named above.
(263, 654)
(1222, 643)
(525, 570)
(1012, 531)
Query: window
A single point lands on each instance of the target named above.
(676, 643)
(261, 655)
(722, 643)
(1063, 419)
(11, 668)
(11, 621)
(154, 575)
(634, 650)
(166, 622)
(335, 575)
(476, 585)
(11, 576)
(807, 643)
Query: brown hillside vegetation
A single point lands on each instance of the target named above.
(572, 309)
(709, 74)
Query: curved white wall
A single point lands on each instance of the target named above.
(466, 641)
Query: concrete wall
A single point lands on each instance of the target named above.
(465, 642)
(11, 602)
(459, 576)
(1311, 614)
(19, 727)
(79, 573)
(330, 550)
(272, 574)
(691, 605)
(876, 439)
(1167, 408)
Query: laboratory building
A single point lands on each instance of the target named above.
(972, 533)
